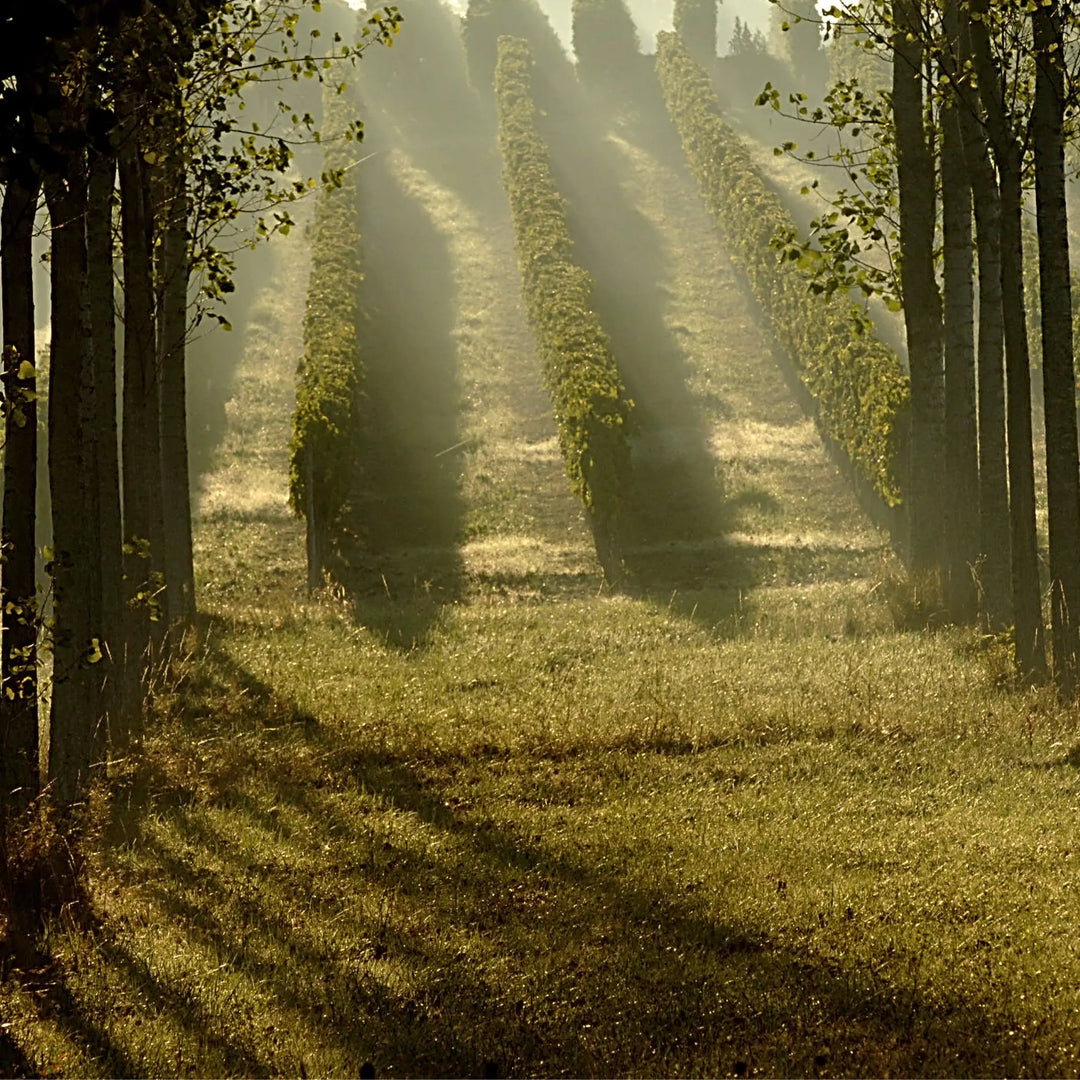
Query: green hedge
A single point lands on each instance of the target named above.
(605, 42)
(330, 369)
(859, 386)
(695, 23)
(488, 20)
(589, 400)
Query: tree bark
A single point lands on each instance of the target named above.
(99, 243)
(18, 663)
(173, 265)
(141, 434)
(76, 564)
(922, 301)
(1059, 378)
(994, 526)
(1027, 607)
(961, 435)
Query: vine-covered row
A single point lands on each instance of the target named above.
(590, 403)
(695, 23)
(858, 384)
(488, 20)
(605, 42)
(330, 369)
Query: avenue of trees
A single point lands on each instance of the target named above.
(120, 130)
(941, 162)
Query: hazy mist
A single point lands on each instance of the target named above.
(652, 16)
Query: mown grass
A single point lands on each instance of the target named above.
(730, 822)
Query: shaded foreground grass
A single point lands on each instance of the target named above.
(641, 849)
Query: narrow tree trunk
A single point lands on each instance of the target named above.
(99, 244)
(18, 664)
(922, 301)
(961, 435)
(141, 457)
(1059, 379)
(172, 335)
(1027, 604)
(1027, 607)
(314, 518)
(994, 527)
(76, 566)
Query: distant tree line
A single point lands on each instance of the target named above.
(695, 23)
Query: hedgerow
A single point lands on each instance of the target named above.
(589, 400)
(695, 23)
(488, 20)
(605, 42)
(330, 370)
(859, 386)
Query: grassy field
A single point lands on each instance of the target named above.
(476, 815)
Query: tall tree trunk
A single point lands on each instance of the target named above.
(99, 246)
(172, 335)
(994, 523)
(922, 301)
(18, 662)
(961, 435)
(1059, 379)
(141, 457)
(1027, 607)
(76, 566)
(1027, 604)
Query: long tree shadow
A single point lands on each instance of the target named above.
(640, 975)
(420, 98)
(676, 492)
(406, 504)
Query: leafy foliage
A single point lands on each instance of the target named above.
(330, 369)
(854, 244)
(239, 158)
(858, 384)
(591, 407)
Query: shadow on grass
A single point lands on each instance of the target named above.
(406, 506)
(341, 903)
(421, 99)
(676, 492)
(13, 1061)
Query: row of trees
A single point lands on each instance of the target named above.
(120, 118)
(860, 391)
(976, 117)
(592, 411)
(330, 374)
(605, 44)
